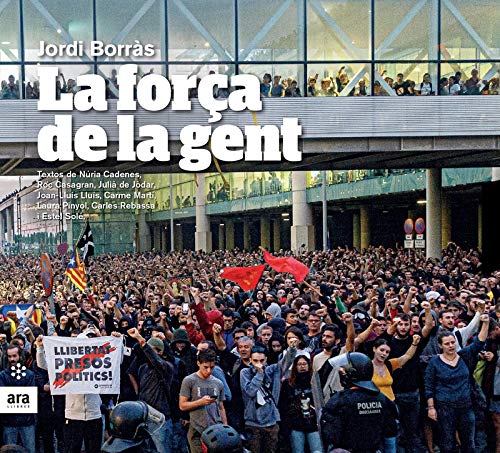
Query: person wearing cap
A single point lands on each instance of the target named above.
(155, 376)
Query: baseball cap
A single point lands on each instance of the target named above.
(156, 343)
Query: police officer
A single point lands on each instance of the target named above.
(359, 417)
(221, 438)
(132, 422)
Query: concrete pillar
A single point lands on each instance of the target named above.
(433, 213)
(164, 237)
(230, 234)
(495, 174)
(265, 231)
(480, 226)
(178, 242)
(203, 235)
(144, 234)
(221, 236)
(445, 221)
(10, 224)
(356, 230)
(156, 237)
(302, 231)
(364, 227)
(246, 235)
(276, 234)
(2, 228)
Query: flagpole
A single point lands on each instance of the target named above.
(324, 210)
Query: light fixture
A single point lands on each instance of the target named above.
(59, 31)
(421, 201)
(286, 220)
(285, 214)
(221, 224)
(207, 44)
(178, 224)
(5, 43)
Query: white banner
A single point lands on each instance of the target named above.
(83, 365)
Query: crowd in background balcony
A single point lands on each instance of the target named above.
(278, 86)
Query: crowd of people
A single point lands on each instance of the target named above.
(374, 351)
(278, 86)
(400, 86)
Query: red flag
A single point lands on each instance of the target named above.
(246, 277)
(287, 265)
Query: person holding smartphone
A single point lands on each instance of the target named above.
(202, 395)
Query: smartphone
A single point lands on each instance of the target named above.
(185, 308)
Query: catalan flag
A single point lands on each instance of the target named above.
(76, 271)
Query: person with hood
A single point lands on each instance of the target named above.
(297, 408)
(184, 350)
(273, 311)
(275, 347)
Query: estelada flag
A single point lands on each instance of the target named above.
(76, 271)
(246, 277)
(287, 265)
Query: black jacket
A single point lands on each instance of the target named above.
(358, 420)
(155, 378)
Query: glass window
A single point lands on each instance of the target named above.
(10, 86)
(128, 21)
(255, 184)
(274, 182)
(56, 22)
(279, 82)
(469, 30)
(338, 79)
(475, 78)
(200, 70)
(271, 31)
(239, 185)
(405, 79)
(201, 31)
(405, 29)
(110, 72)
(67, 78)
(338, 30)
(9, 24)
(184, 194)
(217, 190)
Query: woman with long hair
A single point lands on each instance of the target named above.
(382, 374)
(296, 408)
(448, 388)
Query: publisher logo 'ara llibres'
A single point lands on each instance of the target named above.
(18, 400)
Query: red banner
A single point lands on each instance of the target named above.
(287, 265)
(246, 277)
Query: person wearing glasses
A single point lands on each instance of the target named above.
(297, 408)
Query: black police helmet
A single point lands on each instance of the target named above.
(127, 419)
(358, 371)
(221, 439)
